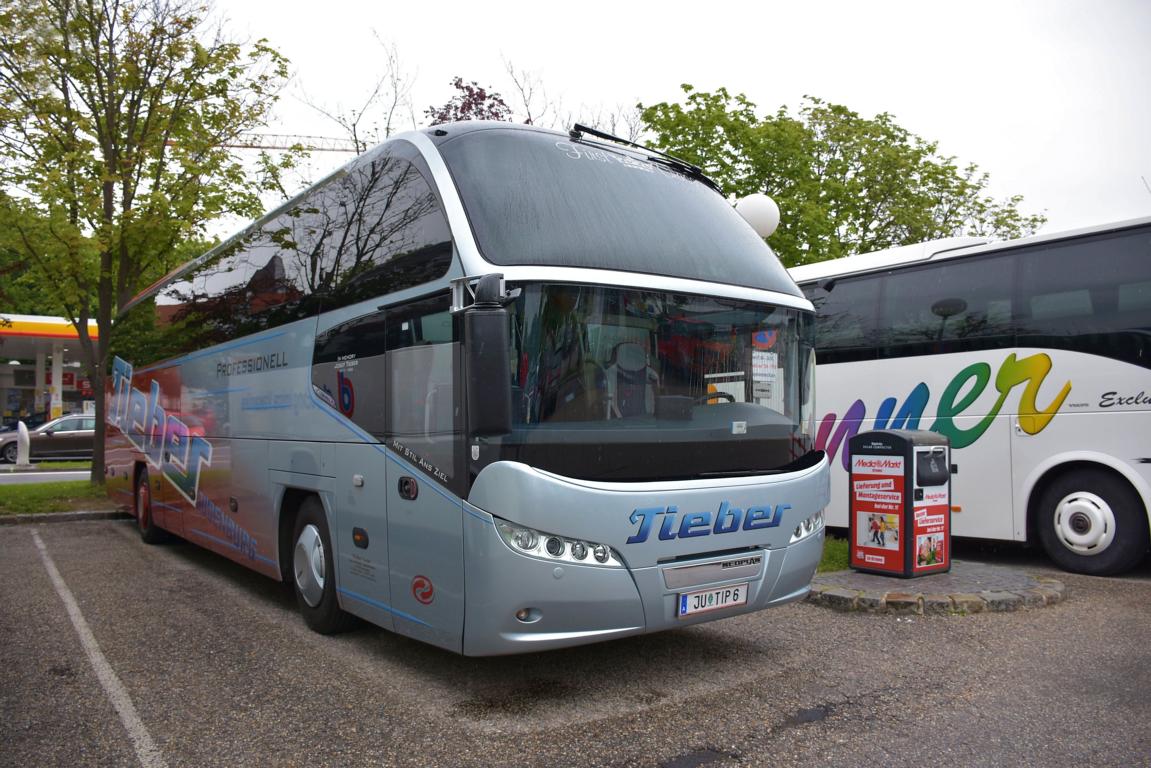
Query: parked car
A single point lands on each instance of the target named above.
(68, 437)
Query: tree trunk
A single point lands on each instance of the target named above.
(98, 392)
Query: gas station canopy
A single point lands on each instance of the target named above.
(40, 366)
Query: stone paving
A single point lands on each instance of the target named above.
(966, 588)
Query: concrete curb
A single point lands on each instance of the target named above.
(63, 517)
(1045, 591)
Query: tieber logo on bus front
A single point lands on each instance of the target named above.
(728, 519)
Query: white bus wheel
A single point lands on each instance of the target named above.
(1091, 521)
(314, 571)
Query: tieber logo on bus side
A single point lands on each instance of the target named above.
(165, 440)
(727, 520)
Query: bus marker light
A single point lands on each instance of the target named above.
(360, 538)
(956, 508)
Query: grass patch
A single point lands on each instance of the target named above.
(835, 554)
(71, 465)
(36, 498)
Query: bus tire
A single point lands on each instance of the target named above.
(313, 571)
(150, 533)
(1092, 521)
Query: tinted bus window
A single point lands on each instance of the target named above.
(348, 355)
(845, 318)
(1090, 294)
(424, 422)
(368, 230)
(948, 306)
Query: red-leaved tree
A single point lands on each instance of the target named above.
(471, 102)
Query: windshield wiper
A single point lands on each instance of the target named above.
(653, 155)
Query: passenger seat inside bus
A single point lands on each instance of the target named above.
(630, 381)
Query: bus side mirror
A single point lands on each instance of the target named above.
(488, 366)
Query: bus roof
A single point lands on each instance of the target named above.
(946, 248)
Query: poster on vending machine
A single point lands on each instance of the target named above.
(877, 487)
(932, 530)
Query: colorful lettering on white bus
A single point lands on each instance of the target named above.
(971, 382)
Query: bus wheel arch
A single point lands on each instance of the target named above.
(289, 508)
(150, 533)
(1088, 518)
(308, 563)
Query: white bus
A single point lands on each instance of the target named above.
(1033, 356)
(495, 388)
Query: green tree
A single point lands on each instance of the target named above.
(844, 183)
(114, 121)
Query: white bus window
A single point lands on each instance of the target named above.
(1089, 293)
(1053, 306)
(958, 303)
(1135, 296)
(845, 324)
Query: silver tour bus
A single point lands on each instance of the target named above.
(496, 388)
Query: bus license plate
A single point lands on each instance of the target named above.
(711, 599)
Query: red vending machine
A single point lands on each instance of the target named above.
(900, 502)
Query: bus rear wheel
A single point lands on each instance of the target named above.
(1092, 522)
(150, 533)
(314, 571)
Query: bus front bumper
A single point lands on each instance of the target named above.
(563, 604)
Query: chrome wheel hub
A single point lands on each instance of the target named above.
(1084, 523)
(309, 563)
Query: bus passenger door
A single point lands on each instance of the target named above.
(424, 438)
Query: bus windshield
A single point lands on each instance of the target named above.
(626, 385)
(545, 199)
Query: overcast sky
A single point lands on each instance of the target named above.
(1051, 97)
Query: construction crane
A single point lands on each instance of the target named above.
(288, 141)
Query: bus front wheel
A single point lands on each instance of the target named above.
(1092, 522)
(314, 571)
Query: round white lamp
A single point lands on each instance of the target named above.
(760, 211)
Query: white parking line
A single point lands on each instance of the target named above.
(146, 750)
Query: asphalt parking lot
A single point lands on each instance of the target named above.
(172, 656)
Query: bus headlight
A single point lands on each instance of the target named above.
(525, 539)
(807, 527)
(548, 546)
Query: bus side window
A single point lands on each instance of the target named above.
(390, 232)
(846, 318)
(947, 306)
(1091, 294)
(424, 421)
(348, 371)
